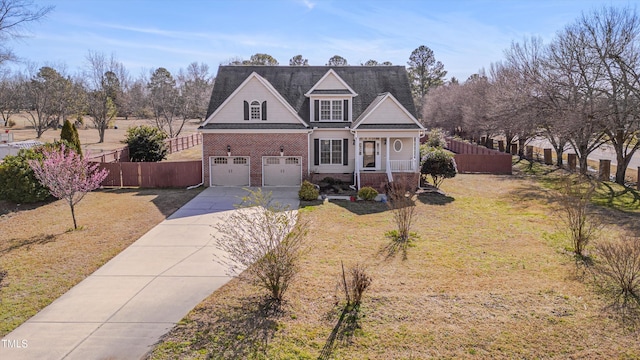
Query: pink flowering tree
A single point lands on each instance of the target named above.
(68, 176)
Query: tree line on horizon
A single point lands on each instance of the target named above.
(579, 91)
(104, 89)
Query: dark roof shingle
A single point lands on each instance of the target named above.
(292, 82)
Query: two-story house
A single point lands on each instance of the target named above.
(275, 125)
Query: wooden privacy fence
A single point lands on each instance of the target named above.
(471, 158)
(173, 145)
(153, 175)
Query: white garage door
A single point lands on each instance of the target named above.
(281, 171)
(229, 171)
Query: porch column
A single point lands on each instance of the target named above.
(416, 154)
(388, 161)
(356, 149)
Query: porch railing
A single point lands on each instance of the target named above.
(402, 165)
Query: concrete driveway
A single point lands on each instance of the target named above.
(121, 310)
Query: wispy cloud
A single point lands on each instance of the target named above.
(308, 3)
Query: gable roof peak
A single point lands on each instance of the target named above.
(331, 72)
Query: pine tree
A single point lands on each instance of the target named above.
(76, 139)
(69, 133)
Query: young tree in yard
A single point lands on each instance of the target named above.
(402, 202)
(69, 133)
(68, 176)
(575, 211)
(264, 242)
(619, 269)
(437, 163)
(146, 143)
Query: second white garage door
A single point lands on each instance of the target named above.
(229, 171)
(281, 171)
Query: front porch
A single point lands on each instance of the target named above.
(380, 160)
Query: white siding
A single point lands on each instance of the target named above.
(233, 111)
(332, 134)
(331, 82)
(388, 112)
(407, 149)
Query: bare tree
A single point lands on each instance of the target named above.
(137, 98)
(619, 268)
(264, 242)
(103, 76)
(443, 109)
(165, 102)
(15, 15)
(195, 85)
(581, 223)
(11, 95)
(612, 38)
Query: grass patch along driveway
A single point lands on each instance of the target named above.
(44, 260)
(488, 278)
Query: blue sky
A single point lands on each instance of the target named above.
(146, 34)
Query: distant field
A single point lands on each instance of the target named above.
(23, 130)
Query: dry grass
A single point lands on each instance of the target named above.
(89, 135)
(488, 278)
(44, 259)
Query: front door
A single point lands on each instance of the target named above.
(369, 154)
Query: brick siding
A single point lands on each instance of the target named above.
(378, 181)
(254, 146)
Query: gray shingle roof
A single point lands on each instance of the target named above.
(292, 82)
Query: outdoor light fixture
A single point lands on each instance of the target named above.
(228, 150)
(281, 150)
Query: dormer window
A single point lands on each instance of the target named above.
(331, 110)
(255, 110)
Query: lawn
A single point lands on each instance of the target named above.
(489, 277)
(44, 258)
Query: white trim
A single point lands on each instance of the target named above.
(331, 151)
(331, 101)
(331, 71)
(394, 145)
(376, 153)
(268, 86)
(251, 106)
(385, 97)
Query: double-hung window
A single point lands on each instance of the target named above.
(331, 110)
(331, 151)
